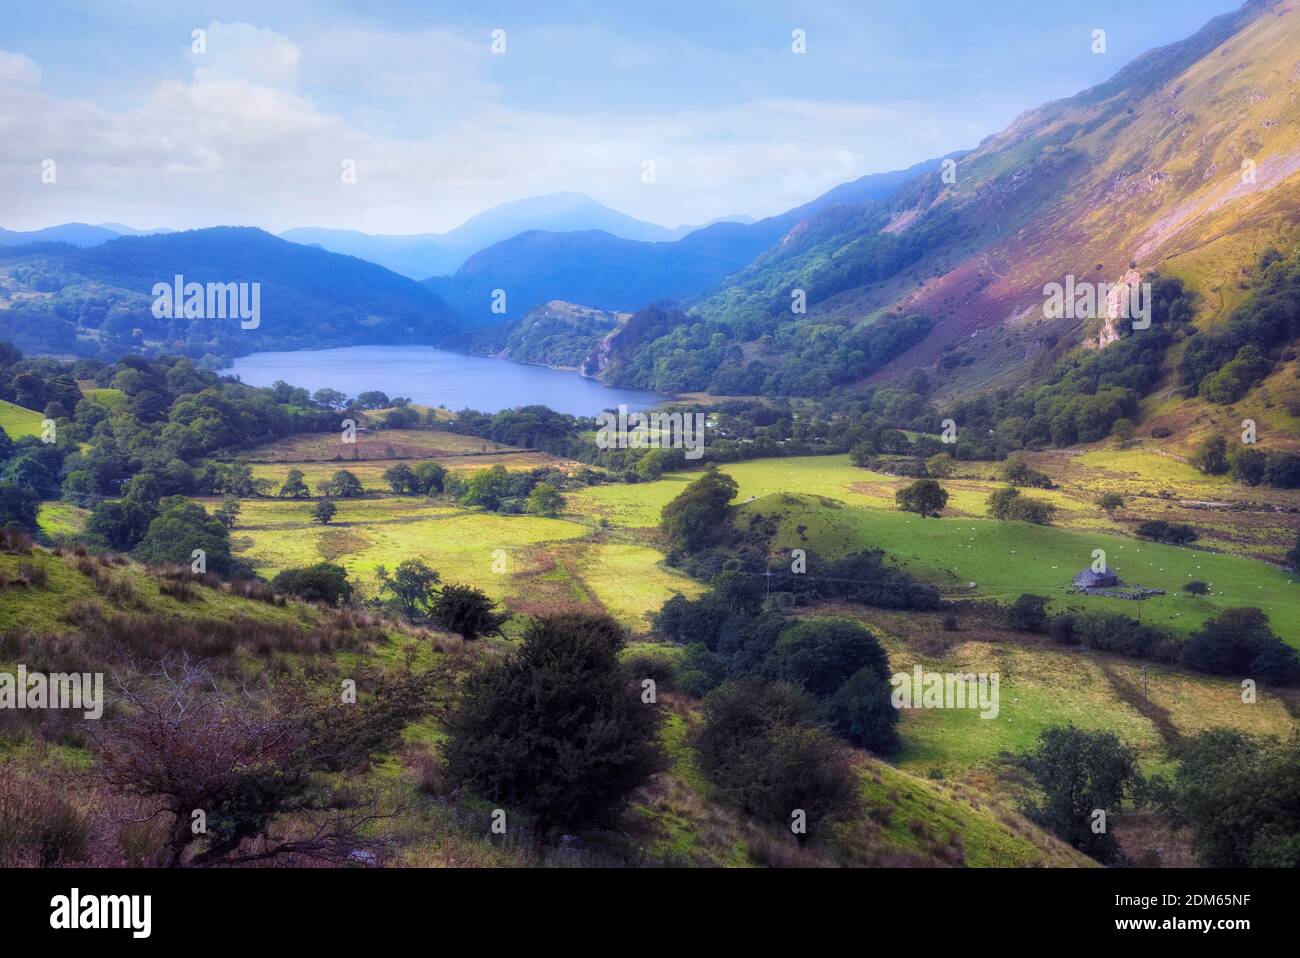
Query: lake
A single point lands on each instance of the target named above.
(435, 377)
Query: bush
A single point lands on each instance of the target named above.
(861, 712)
(1061, 630)
(1008, 504)
(557, 729)
(819, 655)
(1028, 614)
(466, 611)
(755, 746)
(1176, 533)
(1196, 587)
(1239, 642)
(323, 582)
(1237, 795)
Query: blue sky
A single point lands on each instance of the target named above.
(255, 129)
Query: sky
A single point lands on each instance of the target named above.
(708, 95)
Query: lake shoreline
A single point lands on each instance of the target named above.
(434, 376)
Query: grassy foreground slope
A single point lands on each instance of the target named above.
(673, 819)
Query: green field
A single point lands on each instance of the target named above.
(1005, 559)
(17, 421)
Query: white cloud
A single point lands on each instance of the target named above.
(243, 141)
(242, 51)
(18, 68)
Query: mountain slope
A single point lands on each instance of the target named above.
(1147, 171)
(99, 301)
(607, 271)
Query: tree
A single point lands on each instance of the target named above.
(487, 488)
(1018, 472)
(121, 525)
(1237, 795)
(756, 746)
(862, 712)
(323, 582)
(699, 516)
(323, 511)
(925, 497)
(401, 479)
(18, 505)
(558, 729)
(228, 512)
(1239, 642)
(294, 487)
(544, 500)
(1079, 773)
(343, 485)
(182, 744)
(1249, 466)
(1122, 432)
(1196, 587)
(429, 477)
(820, 654)
(1159, 530)
(372, 399)
(181, 527)
(330, 398)
(412, 584)
(940, 465)
(1211, 456)
(1110, 501)
(1028, 614)
(466, 611)
(1009, 505)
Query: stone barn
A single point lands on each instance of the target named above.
(1087, 579)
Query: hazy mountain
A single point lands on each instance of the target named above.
(123, 230)
(422, 255)
(609, 272)
(78, 234)
(98, 300)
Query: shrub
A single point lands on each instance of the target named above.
(1028, 614)
(1158, 530)
(563, 694)
(861, 712)
(1196, 587)
(1061, 630)
(466, 611)
(819, 655)
(755, 746)
(323, 582)
(1008, 504)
